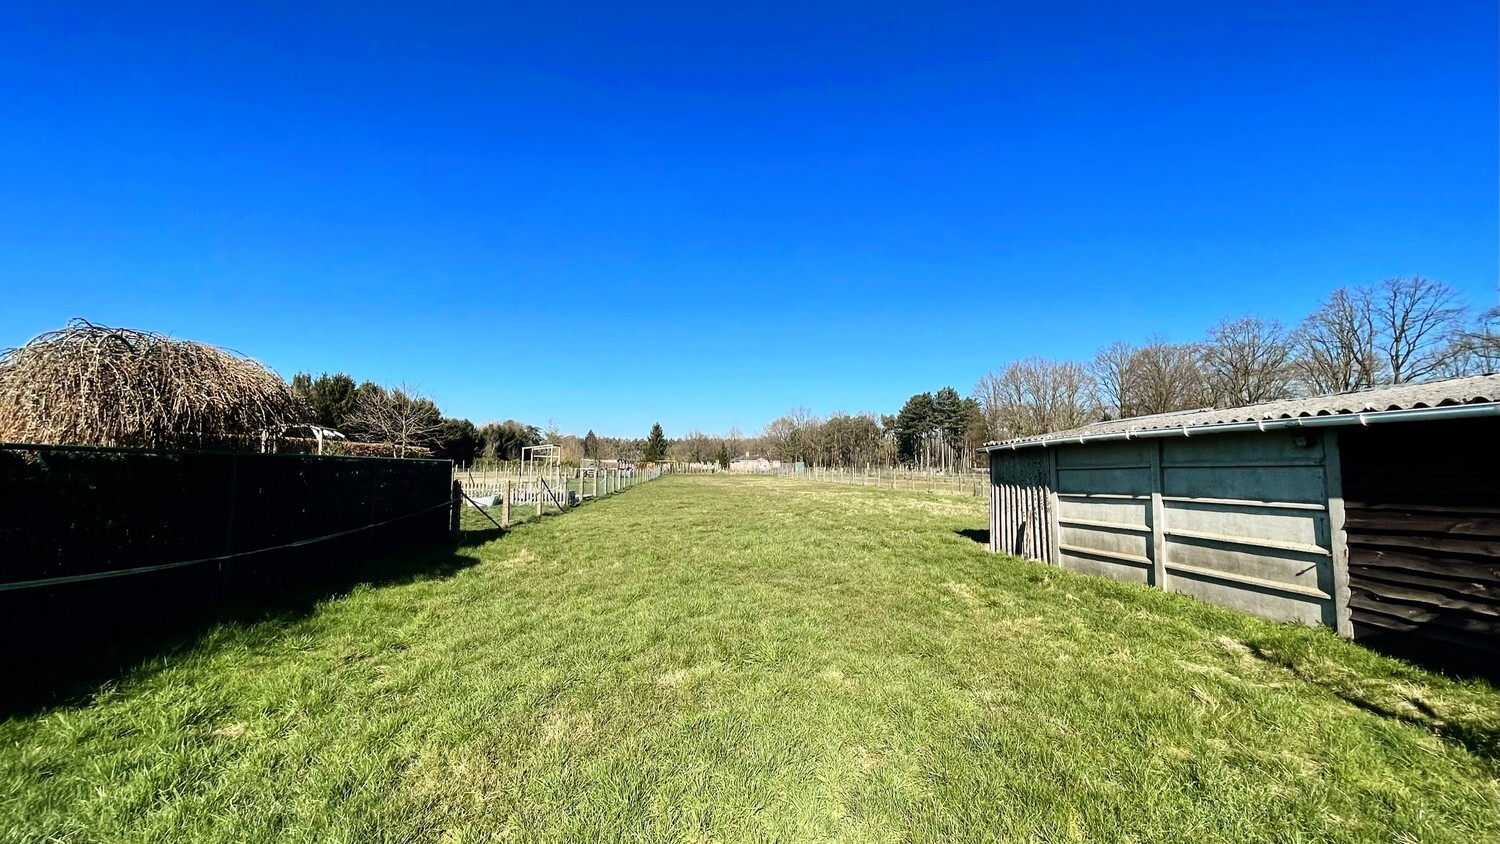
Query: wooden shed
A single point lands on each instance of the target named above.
(1376, 512)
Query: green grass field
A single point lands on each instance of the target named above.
(710, 658)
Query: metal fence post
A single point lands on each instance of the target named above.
(370, 528)
(455, 514)
(234, 482)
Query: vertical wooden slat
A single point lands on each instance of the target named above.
(994, 514)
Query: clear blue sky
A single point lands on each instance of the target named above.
(610, 215)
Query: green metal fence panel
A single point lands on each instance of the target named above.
(100, 539)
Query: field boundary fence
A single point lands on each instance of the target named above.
(94, 540)
(513, 492)
(973, 483)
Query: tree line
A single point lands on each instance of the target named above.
(1398, 331)
(413, 425)
(409, 422)
(939, 430)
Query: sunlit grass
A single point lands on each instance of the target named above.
(730, 659)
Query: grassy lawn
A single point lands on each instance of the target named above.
(709, 658)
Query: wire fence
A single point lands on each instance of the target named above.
(970, 483)
(509, 494)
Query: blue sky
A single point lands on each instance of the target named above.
(604, 216)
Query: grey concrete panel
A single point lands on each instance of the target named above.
(1104, 455)
(1277, 447)
(1306, 571)
(1252, 599)
(1304, 527)
(1085, 563)
(1132, 481)
(1117, 510)
(1116, 542)
(1302, 484)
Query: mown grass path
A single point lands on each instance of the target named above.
(749, 659)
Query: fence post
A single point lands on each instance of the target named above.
(234, 482)
(505, 508)
(370, 530)
(455, 514)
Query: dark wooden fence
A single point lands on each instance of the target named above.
(1422, 503)
(95, 541)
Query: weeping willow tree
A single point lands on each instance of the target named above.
(95, 385)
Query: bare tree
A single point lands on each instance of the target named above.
(1417, 321)
(785, 435)
(1400, 330)
(1248, 361)
(1158, 377)
(1336, 346)
(400, 416)
(1111, 370)
(1167, 377)
(1476, 349)
(1035, 396)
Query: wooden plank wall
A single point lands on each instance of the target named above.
(1020, 521)
(1422, 508)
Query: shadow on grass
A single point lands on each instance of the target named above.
(1476, 734)
(975, 534)
(68, 653)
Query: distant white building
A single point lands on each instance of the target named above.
(754, 465)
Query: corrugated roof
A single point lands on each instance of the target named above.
(1478, 389)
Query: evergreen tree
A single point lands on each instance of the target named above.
(914, 425)
(591, 445)
(656, 445)
(504, 440)
(950, 420)
(723, 456)
(328, 399)
(457, 440)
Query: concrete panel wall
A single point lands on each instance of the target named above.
(1104, 509)
(1245, 519)
(1241, 520)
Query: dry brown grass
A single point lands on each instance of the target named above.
(95, 385)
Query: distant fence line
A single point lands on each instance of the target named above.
(971, 483)
(548, 488)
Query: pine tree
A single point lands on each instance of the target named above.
(656, 445)
(950, 421)
(328, 399)
(914, 427)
